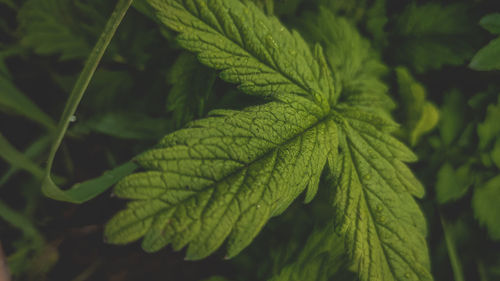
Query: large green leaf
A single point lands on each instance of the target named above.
(224, 176)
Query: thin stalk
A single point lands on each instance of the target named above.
(456, 265)
(49, 188)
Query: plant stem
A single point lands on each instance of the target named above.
(49, 188)
(452, 252)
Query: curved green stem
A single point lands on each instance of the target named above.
(49, 188)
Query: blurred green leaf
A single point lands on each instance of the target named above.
(490, 127)
(431, 35)
(17, 159)
(452, 116)
(491, 23)
(488, 58)
(376, 22)
(352, 9)
(9, 3)
(35, 149)
(125, 125)
(485, 203)
(495, 153)
(321, 257)
(191, 89)
(450, 240)
(15, 102)
(144, 7)
(30, 243)
(53, 27)
(452, 184)
(421, 115)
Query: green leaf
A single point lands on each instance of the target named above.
(216, 191)
(491, 23)
(384, 227)
(9, 3)
(14, 101)
(452, 184)
(51, 27)
(84, 191)
(421, 115)
(495, 153)
(30, 243)
(17, 159)
(357, 70)
(354, 10)
(320, 258)
(125, 125)
(376, 21)
(191, 89)
(486, 207)
(35, 149)
(488, 58)
(222, 178)
(490, 127)
(452, 120)
(266, 5)
(251, 49)
(433, 35)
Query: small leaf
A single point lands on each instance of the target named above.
(452, 184)
(421, 115)
(491, 23)
(427, 122)
(486, 207)
(490, 127)
(452, 118)
(488, 58)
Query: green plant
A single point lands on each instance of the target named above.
(310, 100)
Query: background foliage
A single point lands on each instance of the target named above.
(440, 60)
